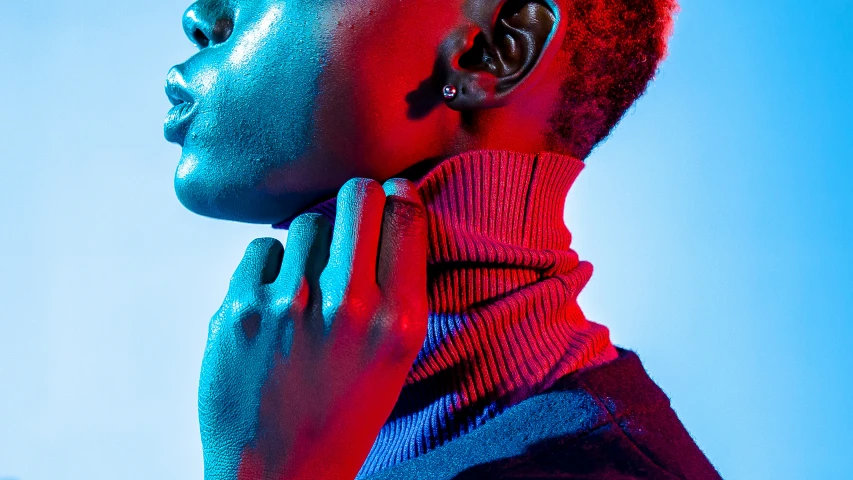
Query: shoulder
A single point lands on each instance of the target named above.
(507, 441)
(608, 422)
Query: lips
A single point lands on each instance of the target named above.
(180, 116)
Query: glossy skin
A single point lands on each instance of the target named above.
(284, 104)
(310, 349)
(287, 100)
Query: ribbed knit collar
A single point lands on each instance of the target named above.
(503, 284)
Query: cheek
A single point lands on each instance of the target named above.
(381, 67)
(258, 117)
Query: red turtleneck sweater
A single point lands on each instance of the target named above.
(513, 381)
(503, 285)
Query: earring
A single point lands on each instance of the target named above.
(449, 92)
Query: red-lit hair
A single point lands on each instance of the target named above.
(611, 52)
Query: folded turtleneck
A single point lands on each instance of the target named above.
(503, 283)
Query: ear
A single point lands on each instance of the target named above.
(516, 42)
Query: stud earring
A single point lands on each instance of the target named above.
(450, 92)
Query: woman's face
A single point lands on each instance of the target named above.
(288, 99)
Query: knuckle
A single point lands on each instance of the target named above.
(293, 303)
(260, 245)
(360, 188)
(214, 328)
(336, 307)
(400, 187)
(406, 213)
(236, 310)
(405, 340)
(284, 305)
(411, 326)
(404, 331)
(347, 307)
(307, 222)
(256, 256)
(237, 283)
(262, 241)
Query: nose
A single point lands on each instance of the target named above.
(207, 25)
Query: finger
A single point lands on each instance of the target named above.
(305, 256)
(403, 246)
(260, 264)
(355, 240)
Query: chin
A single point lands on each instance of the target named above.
(200, 199)
(211, 196)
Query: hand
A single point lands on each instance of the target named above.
(311, 347)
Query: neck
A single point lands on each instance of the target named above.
(503, 284)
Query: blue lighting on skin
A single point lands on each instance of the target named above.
(251, 116)
(243, 113)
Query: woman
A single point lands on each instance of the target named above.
(434, 332)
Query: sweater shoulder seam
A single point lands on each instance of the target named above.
(612, 418)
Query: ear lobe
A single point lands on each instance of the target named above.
(503, 57)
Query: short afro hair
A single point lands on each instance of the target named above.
(611, 52)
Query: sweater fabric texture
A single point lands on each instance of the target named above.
(506, 337)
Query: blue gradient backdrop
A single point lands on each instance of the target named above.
(718, 217)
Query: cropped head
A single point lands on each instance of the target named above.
(286, 100)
